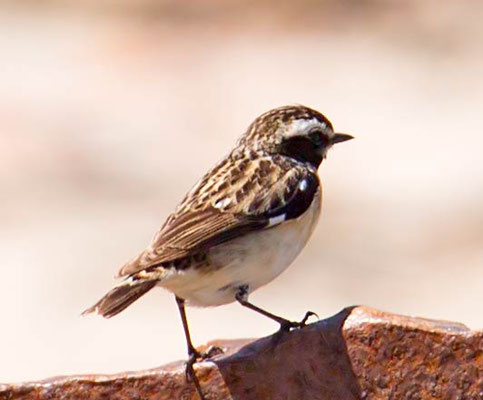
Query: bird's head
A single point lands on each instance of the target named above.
(294, 131)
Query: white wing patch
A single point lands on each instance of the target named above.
(303, 185)
(276, 220)
(222, 203)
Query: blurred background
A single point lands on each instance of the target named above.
(111, 110)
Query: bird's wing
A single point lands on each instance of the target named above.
(266, 194)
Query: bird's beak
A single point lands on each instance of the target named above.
(340, 137)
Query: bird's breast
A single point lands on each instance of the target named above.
(253, 259)
(257, 258)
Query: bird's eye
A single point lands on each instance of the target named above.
(317, 137)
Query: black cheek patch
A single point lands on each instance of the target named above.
(302, 149)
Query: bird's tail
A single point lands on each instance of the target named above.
(121, 297)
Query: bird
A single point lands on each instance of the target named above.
(240, 226)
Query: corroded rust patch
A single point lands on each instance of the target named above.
(359, 353)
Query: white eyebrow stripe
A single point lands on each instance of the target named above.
(304, 125)
(276, 220)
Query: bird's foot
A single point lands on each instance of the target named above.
(211, 352)
(286, 325)
(194, 356)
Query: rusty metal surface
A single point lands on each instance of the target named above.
(359, 353)
(398, 357)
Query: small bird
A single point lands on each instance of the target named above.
(241, 225)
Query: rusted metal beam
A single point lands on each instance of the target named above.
(359, 353)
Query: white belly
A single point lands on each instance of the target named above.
(253, 259)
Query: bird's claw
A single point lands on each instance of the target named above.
(308, 314)
(195, 355)
(287, 325)
(190, 372)
(211, 352)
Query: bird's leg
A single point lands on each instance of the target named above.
(191, 349)
(285, 325)
(193, 354)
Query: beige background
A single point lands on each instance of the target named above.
(109, 113)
